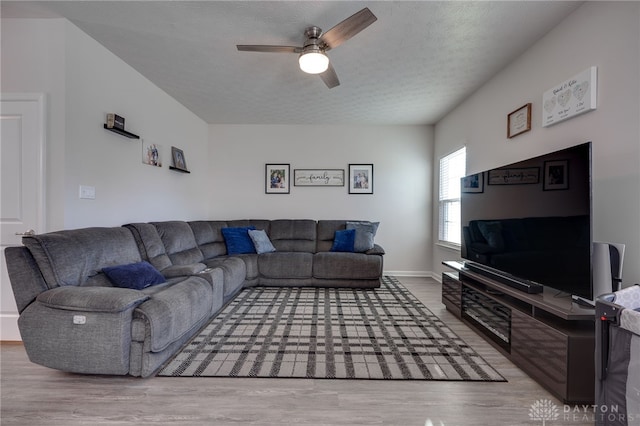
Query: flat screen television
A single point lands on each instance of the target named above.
(530, 222)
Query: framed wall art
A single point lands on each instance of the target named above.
(523, 176)
(473, 183)
(318, 177)
(179, 162)
(360, 178)
(556, 175)
(519, 121)
(277, 178)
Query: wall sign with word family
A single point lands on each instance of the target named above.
(572, 97)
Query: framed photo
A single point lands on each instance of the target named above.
(473, 183)
(556, 175)
(519, 121)
(318, 177)
(178, 159)
(360, 178)
(524, 176)
(276, 178)
(151, 154)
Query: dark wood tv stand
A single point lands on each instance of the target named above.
(545, 334)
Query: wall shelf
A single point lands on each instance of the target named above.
(122, 132)
(179, 170)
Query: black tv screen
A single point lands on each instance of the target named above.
(531, 220)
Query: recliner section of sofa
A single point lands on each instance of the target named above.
(72, 317)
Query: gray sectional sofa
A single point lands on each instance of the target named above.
(74, 318)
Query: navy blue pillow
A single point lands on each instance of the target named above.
(135, 275)
(238, 240)
(344, 240)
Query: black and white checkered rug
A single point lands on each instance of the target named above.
(330, 333)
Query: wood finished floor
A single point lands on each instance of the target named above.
(32, 395)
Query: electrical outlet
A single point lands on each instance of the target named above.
(87, 192)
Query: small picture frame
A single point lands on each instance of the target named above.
(519, 121)
(473, 183)
(556, 175)
(177, 156)
(277, 178)
(151, 154)
(360, 178)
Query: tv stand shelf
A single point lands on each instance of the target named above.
(545, 334)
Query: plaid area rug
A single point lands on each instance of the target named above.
(330, 333)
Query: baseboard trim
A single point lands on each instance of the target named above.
(421, 274)
(9, 328)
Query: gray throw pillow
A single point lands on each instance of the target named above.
(365, 234)
(261, 241)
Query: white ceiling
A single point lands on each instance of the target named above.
(411, 66)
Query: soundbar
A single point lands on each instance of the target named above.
(527, 286)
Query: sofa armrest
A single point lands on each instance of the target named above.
(375, 250)
(91, 299)
(183, 270)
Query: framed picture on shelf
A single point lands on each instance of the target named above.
(277, 178)
(556, 175)
(151, 154)
(473, 183)
(360, 178)
(179, 161)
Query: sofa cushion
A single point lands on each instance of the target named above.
(238, 240)
(365, 235)
(234, 272)
(134, 275)
(173, 311)
(293, 235)
(208, 234)
(334, 265)
(344, 240)
(71, 257)
(91, 299)
(286, 265)
(261, 241)
(179, 242)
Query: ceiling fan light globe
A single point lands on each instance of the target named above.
(313, 62)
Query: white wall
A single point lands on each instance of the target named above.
(604, 34)
(402, 159)
(83, 81)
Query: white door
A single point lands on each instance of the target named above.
(21, 187)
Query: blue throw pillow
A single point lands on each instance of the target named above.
(344, 240)
(261, 241)
(238, 240)
(135, 275)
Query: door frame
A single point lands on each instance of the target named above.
(40, 99)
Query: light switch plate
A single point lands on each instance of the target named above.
(87, 192)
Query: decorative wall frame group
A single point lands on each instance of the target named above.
(277, 178)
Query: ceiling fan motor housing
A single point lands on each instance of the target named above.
(312, 59)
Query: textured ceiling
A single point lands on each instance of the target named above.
(411, 66)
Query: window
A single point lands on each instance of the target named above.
(452, 168)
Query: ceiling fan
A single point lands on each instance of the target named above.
(313, 58)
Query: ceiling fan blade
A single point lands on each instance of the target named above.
(330, 77)
(268, 48)
(347, 28)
